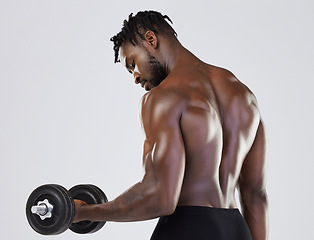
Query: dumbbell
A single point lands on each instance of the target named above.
(50, 208)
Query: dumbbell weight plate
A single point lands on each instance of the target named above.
(91, 195)
(62, 213)
(104, 199)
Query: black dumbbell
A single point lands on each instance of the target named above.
(50, 208)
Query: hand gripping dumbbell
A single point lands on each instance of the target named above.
(50, 208)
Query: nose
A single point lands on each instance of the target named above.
(136, 77)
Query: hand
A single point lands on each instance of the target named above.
(78, 210)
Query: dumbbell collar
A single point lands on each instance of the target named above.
(43, 209)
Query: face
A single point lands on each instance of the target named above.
(144, 67)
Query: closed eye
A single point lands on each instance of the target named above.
(132, 67)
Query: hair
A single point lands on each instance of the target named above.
(135, 27)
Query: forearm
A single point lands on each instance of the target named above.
(255, 212)
(141, 202)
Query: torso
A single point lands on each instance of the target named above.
(218, 123)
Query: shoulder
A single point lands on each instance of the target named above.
(232, 88)
(222, 73)
(163, 100)
(162, 108)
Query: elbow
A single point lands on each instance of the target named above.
(261, 195)
(167, 207)
(166, 203)
(159, 203)
(254, 196)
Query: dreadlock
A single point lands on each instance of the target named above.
(137, 25)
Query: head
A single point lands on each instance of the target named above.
(138, 43)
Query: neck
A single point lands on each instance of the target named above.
(174, 54)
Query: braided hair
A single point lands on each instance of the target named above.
(137, 25)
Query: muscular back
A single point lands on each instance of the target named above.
(218, 122)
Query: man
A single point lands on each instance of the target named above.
(204, 138)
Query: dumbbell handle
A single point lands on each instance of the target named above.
(43, 209)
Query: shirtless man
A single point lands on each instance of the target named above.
(204, 138)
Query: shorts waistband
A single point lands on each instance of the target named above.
(200, 210)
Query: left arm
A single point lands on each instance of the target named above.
(164, 164)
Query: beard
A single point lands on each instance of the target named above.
(158, 72)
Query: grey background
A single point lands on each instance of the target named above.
(68, 115)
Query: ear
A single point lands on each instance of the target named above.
(151, 39)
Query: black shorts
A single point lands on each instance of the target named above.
(200, 223)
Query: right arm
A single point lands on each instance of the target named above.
(252, 186)
(164, 164)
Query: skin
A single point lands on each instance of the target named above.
(204, 139)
